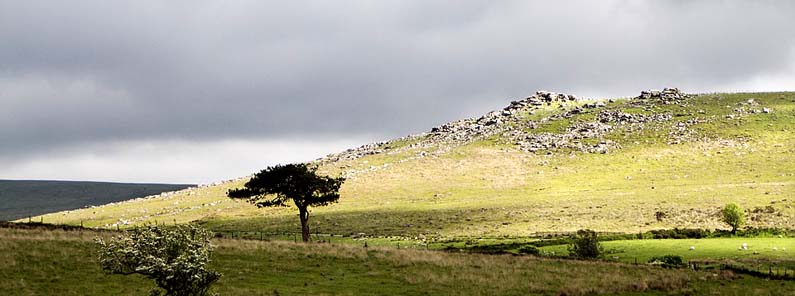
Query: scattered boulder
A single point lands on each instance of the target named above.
(621, 117)
(571, 139)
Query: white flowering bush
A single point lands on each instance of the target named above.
(175, 258)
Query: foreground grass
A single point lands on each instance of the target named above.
(63, 263)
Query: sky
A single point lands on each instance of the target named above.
(204, 91)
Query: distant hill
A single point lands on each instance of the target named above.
(23, 198)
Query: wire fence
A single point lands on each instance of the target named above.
(762, 269)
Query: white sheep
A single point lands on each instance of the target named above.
(692, 248)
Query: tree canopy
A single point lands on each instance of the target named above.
(276, 185)
(585, 244)
(734, 216)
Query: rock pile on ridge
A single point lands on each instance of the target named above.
(541, 97)
(667, 96)
(354, 153)
(509, 123)
(466, 130)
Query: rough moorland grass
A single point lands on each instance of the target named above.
(63, 263)
(490, 189)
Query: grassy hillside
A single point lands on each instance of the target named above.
(23, 198)
(712, 149)
(37, 262)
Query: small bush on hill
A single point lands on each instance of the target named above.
(585, 244)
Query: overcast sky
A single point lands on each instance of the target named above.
(202, 91)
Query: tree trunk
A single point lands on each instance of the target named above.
(304, 215)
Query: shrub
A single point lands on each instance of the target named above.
(734, 216)
(529, 249)
(585, 244)
(175, 259)
(668, 261)
(677, 233)
(493, 249)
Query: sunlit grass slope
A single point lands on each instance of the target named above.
(490, 188)
(37, 262)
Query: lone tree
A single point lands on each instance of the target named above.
(175, 259)
(300, 183)
(734, 216)
(585, 244)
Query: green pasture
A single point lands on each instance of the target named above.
(778, 249)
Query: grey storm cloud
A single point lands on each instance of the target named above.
(75, 72)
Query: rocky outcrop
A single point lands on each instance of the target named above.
(512, 124)
(544, 97)
(494, 122)
(666, 96)
(442, 138)
(573, 138)
(358, 152)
